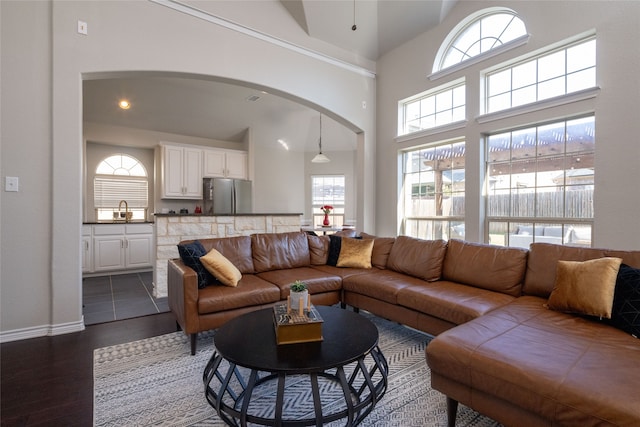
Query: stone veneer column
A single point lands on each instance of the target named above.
(171, 230)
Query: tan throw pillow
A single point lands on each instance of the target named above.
(355, 253)
(221, 268)
(585, 287)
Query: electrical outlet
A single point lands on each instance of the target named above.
(11, 183)
(82, 28)
(364, 105)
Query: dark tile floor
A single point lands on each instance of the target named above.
(117, 297)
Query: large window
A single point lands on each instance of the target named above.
(328, 190)
(540, 184)
(433, 191)
(557, 73)
(120, 178)
(533, 171)
(432, 109)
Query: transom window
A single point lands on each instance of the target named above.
(433, 191)
(540, 184)
(557, 73)
(479, 34)
(120, 178)
(431, 109)
(327, 190)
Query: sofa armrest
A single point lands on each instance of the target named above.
(182, 283)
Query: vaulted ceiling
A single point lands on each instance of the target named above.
(224, 111)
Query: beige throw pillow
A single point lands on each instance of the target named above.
(585, 287)
(221, 268)
(355, 253)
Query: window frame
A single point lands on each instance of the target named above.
(439, 225)
(439, 69)
(337, 215)
(108, 202)
(565, 46)
(569, 230)
(423, 97)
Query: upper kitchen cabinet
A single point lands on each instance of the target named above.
(225, 163)
(181, 172)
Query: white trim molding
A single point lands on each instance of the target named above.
(41, 331)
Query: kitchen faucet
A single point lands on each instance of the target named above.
(126, 209)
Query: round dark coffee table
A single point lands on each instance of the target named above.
(251, 379)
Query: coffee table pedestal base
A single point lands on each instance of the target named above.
(356, 387)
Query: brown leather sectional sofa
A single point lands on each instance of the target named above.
(498, 350)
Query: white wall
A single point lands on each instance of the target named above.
(403, 72)
(43, 64)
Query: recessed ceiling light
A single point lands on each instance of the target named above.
(124, 104)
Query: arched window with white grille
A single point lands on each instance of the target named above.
(485, 31)
(121, 178)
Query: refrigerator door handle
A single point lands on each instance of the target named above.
(233, 199)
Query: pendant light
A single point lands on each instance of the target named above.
(320, 158)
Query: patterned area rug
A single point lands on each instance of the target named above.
(157, 382)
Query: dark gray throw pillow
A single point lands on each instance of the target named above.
(335, 243)
(625, 314)
(190, 254)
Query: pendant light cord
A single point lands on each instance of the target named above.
(354, 27)
(320, 144)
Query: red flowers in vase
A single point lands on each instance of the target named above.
(327, 210)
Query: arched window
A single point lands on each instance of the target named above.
(120, 178)
(481, 32)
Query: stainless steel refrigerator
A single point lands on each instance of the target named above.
(224, 196)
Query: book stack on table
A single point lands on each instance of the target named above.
(293, 327)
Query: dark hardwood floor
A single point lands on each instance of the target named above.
(48, 381)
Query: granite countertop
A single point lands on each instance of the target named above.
(115, 222)
(242, 214)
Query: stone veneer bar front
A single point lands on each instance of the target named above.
(171, 229)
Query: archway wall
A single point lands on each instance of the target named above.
(140, 37)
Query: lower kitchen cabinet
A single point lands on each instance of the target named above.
(122, 247)
(87, 249)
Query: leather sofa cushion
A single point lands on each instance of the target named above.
(277, 251)
(341, 272)
(543, 257)
(383, 285)
(317, 281)
(491, 267)
(546, 362)
(417, 257)
(451, 301)
(381, 249)
(318, 249)
(236, 249)
(251, 291)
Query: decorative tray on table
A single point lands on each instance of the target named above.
(292, 327)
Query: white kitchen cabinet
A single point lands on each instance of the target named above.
(225, 163)
(181, 174)
(109, 253)
(139, 245)
(122, 247)
(87, 249)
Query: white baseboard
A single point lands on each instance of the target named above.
(41, 331)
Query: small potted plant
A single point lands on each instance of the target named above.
(299, 292)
